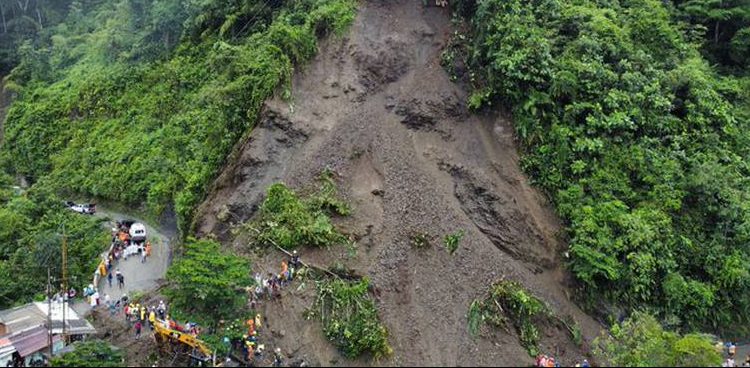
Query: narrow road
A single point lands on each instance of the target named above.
(139, 277)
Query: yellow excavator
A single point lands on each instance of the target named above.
(178, 342)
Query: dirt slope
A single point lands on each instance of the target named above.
(377, 108)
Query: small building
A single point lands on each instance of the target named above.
(25, 332)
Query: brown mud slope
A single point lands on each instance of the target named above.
(377, 108)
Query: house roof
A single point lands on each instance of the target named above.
(6, 347)
(32, 315)
(30, 341)
(22, 318)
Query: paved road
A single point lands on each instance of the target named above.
(138, 276)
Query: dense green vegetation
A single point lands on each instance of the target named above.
(640, 341)
(289, 221)
(22, 23)
(93, 353)
(726, 27)
(350, 320)
(129, 114)
(31, 235)
(132, 101)
(208, 283)
(640, 143)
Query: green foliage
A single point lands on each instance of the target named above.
(208, 283)
(420, 240)
(290, 221)
(31, 235)
(350, 320)
(140, 102)
(640, 144)
(453, 240)
(723, 23)
(327, 199)
(640, 341)
(509, 301)
(93, 353)
(474, 317)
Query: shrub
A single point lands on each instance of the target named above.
(94, 353)
(510, 302)
(640, 341)
(452, 241)
(350, 320)
(290, 221)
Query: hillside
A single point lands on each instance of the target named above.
(377, 108)
(467, 182)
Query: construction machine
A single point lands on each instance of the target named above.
(180, 342)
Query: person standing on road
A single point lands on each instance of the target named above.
(120, 278)
(109, 279)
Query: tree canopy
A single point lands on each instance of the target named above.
(641, 144)
(640, 341)
(207, 282)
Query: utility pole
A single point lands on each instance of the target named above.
(64, 282)
(49, 311)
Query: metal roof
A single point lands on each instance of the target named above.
(30, 341)
(22, 318)
(33, 315)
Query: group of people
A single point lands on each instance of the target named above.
(271, 285)
(252, 349)
(140, 315)
(123, 246)
(730, 349)
(544, 360)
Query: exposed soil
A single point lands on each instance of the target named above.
(377, 109)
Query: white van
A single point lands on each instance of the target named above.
(138, 232)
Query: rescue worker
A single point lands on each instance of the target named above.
(294, 263)
(152, 319)
(284, 273)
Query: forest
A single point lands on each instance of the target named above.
(633, 116)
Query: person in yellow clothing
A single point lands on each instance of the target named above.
(143, 313)
(257, 321)
(152, 319)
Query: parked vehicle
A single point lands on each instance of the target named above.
(85, 208)
(138, 232)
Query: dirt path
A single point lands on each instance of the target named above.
(378, 109)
